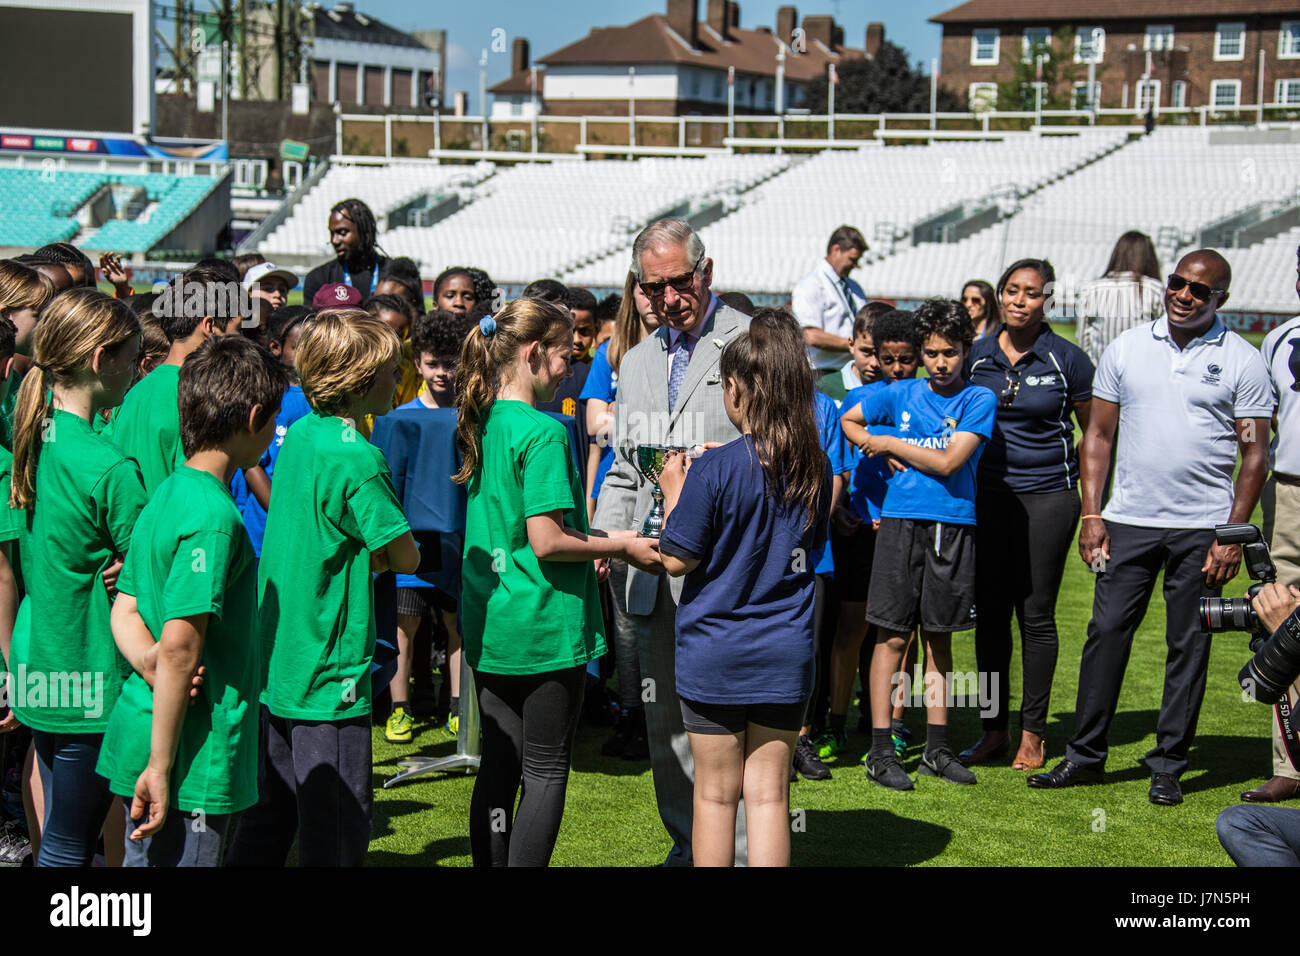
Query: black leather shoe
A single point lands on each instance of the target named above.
(1165, 790)
(1067, 773)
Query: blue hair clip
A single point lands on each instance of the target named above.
(487, 325)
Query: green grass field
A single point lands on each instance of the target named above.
(611, 820)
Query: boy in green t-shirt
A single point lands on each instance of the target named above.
(187, 598)
(334, 518)
(147, 426)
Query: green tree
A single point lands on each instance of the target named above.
(1060, 73)
(885, 84)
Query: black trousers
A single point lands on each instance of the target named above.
(1119, 603)
(529, 722)
(1021, 545)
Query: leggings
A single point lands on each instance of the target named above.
(1022, 541)
(626, 657)
(76, 797)
(529, 722)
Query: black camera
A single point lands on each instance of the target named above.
(1276, 661)
(1237, 614)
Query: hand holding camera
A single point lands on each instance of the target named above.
(1274, 603)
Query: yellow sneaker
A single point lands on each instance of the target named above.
(452, 726)
(398, 730)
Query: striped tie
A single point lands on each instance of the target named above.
(677, 371)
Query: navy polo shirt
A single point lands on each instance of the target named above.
(745, 621)
(1032, 447)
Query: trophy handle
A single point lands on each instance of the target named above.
(628, 453)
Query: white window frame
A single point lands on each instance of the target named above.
(1080, 94)
(1280, 86)
(1138, 86)
(1099, 54)
(975, 46)
(1026, 44)
(1219, 29)
(972, 94)
(1290, 29)
(1236, 87)
(1178, 94)
(1163, 31)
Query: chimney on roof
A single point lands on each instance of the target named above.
(875, 39)
(786, 17)
(681, 17)
(518, 56)
(733, 15)
(717, 10)
(820, 27)
(837, 35)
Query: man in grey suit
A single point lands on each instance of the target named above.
(669, 393)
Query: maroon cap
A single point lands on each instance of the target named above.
(336, 295)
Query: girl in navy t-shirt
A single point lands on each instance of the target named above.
(741, 527)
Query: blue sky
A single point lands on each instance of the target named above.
(551, 24)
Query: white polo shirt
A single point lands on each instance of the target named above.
(1177, 440)
(1281, 351)
(821, 301)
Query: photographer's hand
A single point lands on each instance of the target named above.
(1221, 564)
(1274, 604)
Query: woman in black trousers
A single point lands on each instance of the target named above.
(1027, 505)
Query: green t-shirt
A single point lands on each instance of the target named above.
(7, 407)
(147, 426)
(521, 615)
(11, 521)
(191, 555)
(332, 503)
(68, 672)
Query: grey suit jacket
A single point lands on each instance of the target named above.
(641, 418)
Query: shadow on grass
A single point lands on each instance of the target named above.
(866, 838)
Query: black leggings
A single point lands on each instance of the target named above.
(529, 723)
(1022, 542)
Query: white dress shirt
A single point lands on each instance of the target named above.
(822, 300)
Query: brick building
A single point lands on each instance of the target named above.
(1156, 53)
(358, 60)
(680, 65)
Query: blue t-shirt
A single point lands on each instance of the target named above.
(868, 477)
(745, 621)
(833, 443)
(1032, 448)
(292, 407)
(923, 417)
(602, 384)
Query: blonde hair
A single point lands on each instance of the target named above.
(22, 287)
(628, 327)
(339, 353)
(70, 329)
(482, 357)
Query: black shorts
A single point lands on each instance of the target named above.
(417, 602)
(719, 719)
(852, 555)
(923, 573)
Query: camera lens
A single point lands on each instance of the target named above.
(1267, 675)
(1227, 614)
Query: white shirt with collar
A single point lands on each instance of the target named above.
(819, 302)
(690, 339)
(1281, 351)
(1177, 412)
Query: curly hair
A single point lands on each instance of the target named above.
(440, 334)
(947, 319)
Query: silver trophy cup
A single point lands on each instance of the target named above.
(648, 460)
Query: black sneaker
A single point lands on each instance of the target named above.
(887, 771)
(616, 744)
(638, 746)
(15, 849)
(806, 761)
(943, 763)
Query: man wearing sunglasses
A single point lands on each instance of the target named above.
(1189, 394)
(669, 393)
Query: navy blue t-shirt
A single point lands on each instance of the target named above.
(745, 621)
(1032, 447)
(920, 416)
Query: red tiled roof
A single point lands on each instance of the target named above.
(521, 82)
(650, 40)
(989, 11)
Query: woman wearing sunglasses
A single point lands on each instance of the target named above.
(1027, 504)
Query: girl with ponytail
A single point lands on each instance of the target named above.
(531, 615)
(743, 527)
(79, 497)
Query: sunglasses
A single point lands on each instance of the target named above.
(1012, 389)
(1200, 291)
(681, 283)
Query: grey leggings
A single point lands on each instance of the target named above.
(626, 657)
